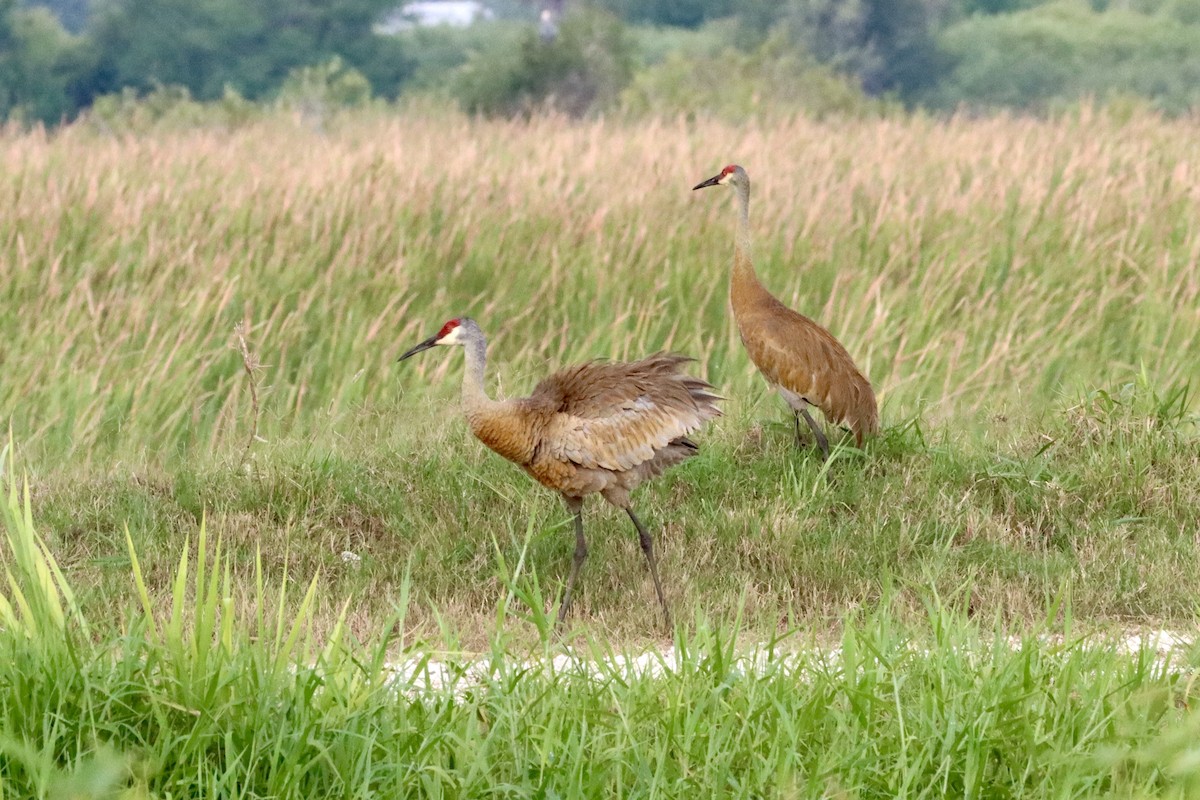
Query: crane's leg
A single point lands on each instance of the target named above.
(648, 548)
(822, 442)
(581, 552)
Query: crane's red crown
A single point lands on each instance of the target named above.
(728, 170)
(449, 326)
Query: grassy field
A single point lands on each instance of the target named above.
(1024, 295)
(212, 695)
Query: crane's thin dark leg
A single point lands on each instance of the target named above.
(648, 548)
(581, 552)
(822, 442)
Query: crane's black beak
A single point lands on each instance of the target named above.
(713, 181)
(425, 345)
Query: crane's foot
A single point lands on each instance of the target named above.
(818, 434)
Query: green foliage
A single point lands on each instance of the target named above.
(325, 86)
(655, 45)
(975, 53)
(36, 61)
(39, 603)
(889, 46)
(773, 81)
(251, 46)
(583, 69)
(969, 7)
(72, 14)
(1185, 11)
(1057, 53)
(677, 13)
(168, 108)
(438, 51)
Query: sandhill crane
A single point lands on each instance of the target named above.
(597, 427)
(796, 355)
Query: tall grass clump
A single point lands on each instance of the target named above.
(204, 696)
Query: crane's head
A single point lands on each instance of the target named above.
(733, 175)
(454, 332)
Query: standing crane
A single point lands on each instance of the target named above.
(795, 354)
(597, 427)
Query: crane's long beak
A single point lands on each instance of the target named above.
(425, 345)
(715, 180)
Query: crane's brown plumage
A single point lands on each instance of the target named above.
(597, 427)
(794, 353)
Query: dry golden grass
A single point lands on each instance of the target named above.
(968, 265)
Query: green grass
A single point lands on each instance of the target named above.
(201, 697)
(1022, 294)
(1101, 499)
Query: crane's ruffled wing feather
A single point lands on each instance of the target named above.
(616, 416)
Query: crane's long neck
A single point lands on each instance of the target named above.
(741, 242)
(744, 286)
(474, 396)
(496, 423)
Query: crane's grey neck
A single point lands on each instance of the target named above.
(742, 234)
(474, 394)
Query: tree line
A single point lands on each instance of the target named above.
(57, 57)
